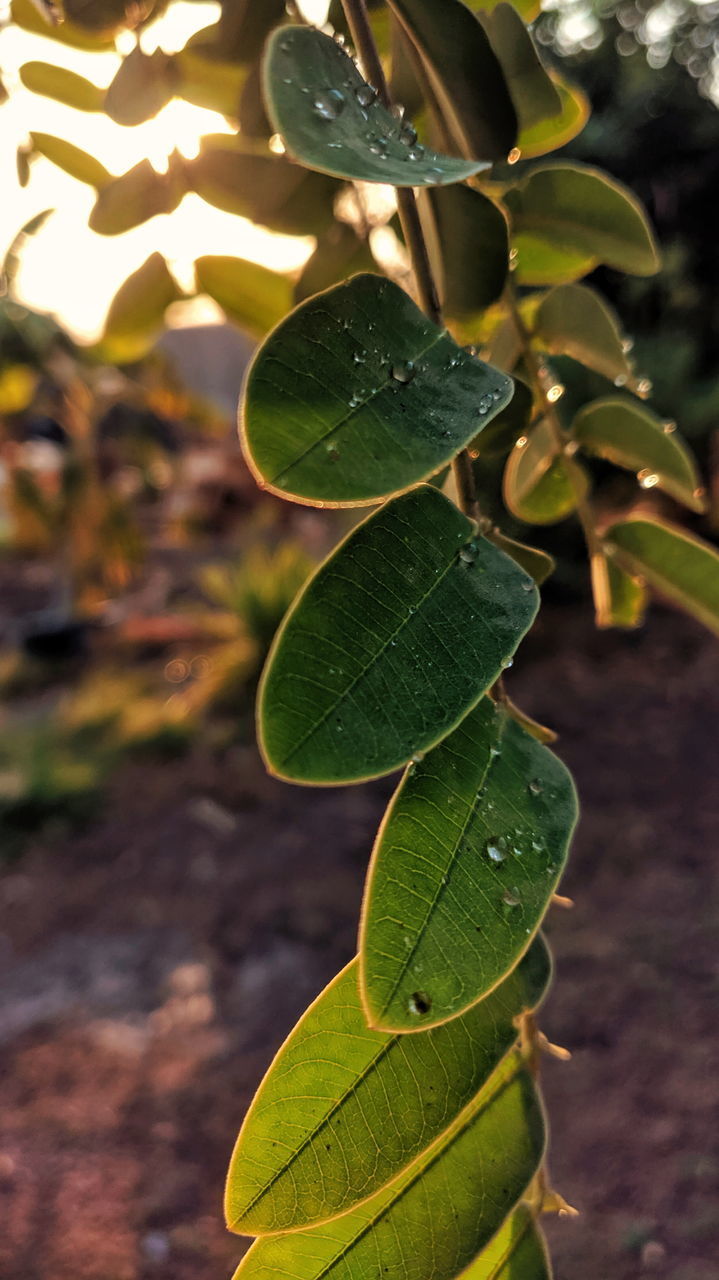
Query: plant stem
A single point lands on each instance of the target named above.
(363, 40)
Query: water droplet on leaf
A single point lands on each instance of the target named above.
(329, 104)
(366, 95)
(403, 371)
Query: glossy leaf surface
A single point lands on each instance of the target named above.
(468, 239)
(630, 435)
(335, 1076)
(678, 566)
(63, 85)
(431, 1222)
(466, 860)
(504, 430)
(394, 639)
(573, 320)
(251, 295)
(533, 92)
(357, 395)
(79, 164)
(538, 479)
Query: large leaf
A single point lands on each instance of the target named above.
(268, 189)
(331, 120)
(517, 1252)
(572, 214)
(394, 639)
(143, 85)
(251, 295)
(79, 164)
(137, 311)
(630, 435)
(672, 562)
(540, 482)
(358, 395)
(468, 240)
(465, 75)
(466, 860)
(431, 1222)
(573, 320)
(135, 197)
(334, 1076)
(63, 85)
(555, 131)
(533, 92)
(28, 16)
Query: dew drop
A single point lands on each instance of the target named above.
(535, 787)
(507, 663)
(333, 452)
(669, 428)
(419, 1003)
(416, 152)
(647, 479)
(496, 849)
(485, 403)
(378, 147)
(528, 584)
(329, 104)
(514, 155)
(408, 134)
(555, 393)
(366, 94)
(469, 552)
(621, 380)
(510, 897)
(403, 371)
(417, 757)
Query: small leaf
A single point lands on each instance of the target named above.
(292, 1165)
(27, 15)
(468, 855)
(143, 85)
(538, 564)
(533, 92)
(71, 159)
(267, 189)
(135, 197)
(573, 320)
(251, 295)
(468, 239)
(339, 254)
(573, 214)
(556, 131)
(680, 567)
(63, 85)
(631, 436)
(517, 1252)
(620, 598)
(332, 121)
(394, 639)
(430, 1223)
(540, 481)
(357, 395)
(137, 311)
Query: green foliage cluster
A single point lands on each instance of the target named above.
(400, 1131)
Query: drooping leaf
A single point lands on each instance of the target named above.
(538, 564)
(430, 1223)
(630, 435)
(71, 159)
(620, 598)
(556, 131)
(340, 253)
(334, 1076)
(62, 85)
(466, 860)
(572, 320)
(504, 430)
(465, 75)
(268, 189)
(27, 15)
(358, 395)
(135, 197)
(533, 92)
(567, 218)
(680, 567)
(394, 639)
(517, 1252)
(468, 240)
(143, 85)
(251, 295)
(206, 75)
(137, 311)
(332, 121)
(540, 482)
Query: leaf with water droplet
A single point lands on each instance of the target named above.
(442, 868)
(573, 320)
(678, 566)
(540, 482)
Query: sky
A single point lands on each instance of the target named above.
(67, 269)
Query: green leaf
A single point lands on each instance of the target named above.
(465, 75)
(334, 1076)
(630, 435)
(63, 85)
(358, 395)
(135, 197)
(538, 564)
(505, 429)
(468, 855)
(267, 189)
(527, 9)
(540, 482)
(534, 95)
(245, 25)
(394, 639)
(680, 567)
(620, 598)
(574, 217)
(251, 295)
(143, 85)
(26, 14)
(206, 75)
(332, 121)
(468, 240)
(71, 159)
(573, 320)
(339, 254)
(430, 1223)
(517, 1252)
(556, 131)
(137, 311)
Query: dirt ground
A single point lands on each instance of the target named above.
(153, 962)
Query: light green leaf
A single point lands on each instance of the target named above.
(143, 85)
(527, 9)
(251, 295)
(135, 197)
(573, 214)
(332, 121)
(468, 855)
(431, 1222)
(62, 85)
(71, 159)
(268, 189)
(556, 131)
(26, 14)
(358, 395)
(680, 567)
(538, 564)
(137, 311)
(517, 1252)
(534, 95)
(630, 435)
(573, 320)
(540, 482)
(334, 1076)
(394, 639)
(620, 598)
(468, 240)
(464, 74)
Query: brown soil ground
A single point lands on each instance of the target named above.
(153, 962)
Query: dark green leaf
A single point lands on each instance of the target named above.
(394, 639)
(430, 1223)
(251, 295)
(143, 85)
(62, 85)
(534, 95)
(620, 598)
(630, 435)
(504, 430)
(135, 197)
(556, 131)
(357, 395)
(468, 241)
(293, 1166)
(331, 120)
(339, 254)
(71, 159)
(268, 189)
(573, 320)
(541, 482)
(677, 565)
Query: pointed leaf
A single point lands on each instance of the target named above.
(468, 240)
(251, 295)
(556, 131)
(572, 320)
(430, 1223)
(137, 311)
(292, 1164)
(517, 1252)
(135, 197)
(330, 120)
(268, 189)
(540, 482)
(63, 85)
(143, 85)
(678, 566)
(538, 564)
(394, 639)
(357, 395)
(71, 159)
(620, 598)
(534, 95)
(630, 435)
(206, 75)
(466, 860)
